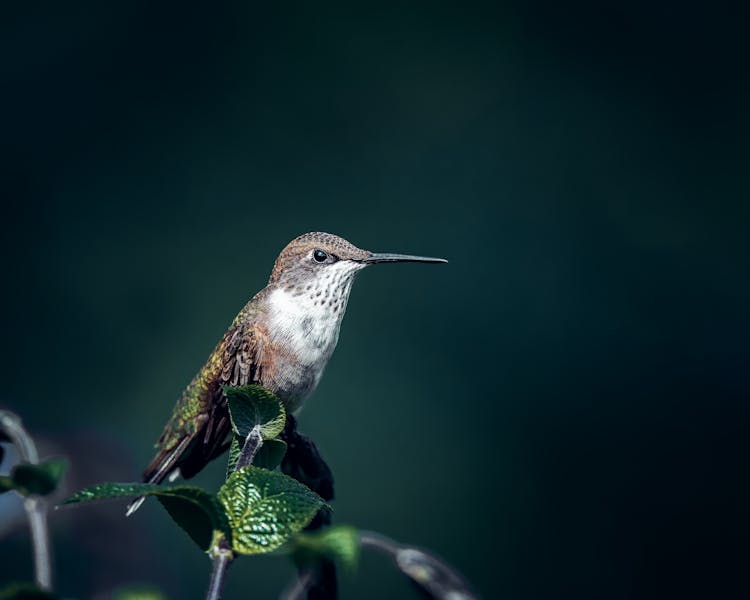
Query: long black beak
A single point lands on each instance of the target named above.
(378, 257)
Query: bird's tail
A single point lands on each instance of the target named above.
(134, 505)
(163, 466)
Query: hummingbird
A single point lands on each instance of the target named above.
(281, 340)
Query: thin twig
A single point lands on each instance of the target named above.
(436, 578)
(372, 539)
(221, 557)
(298, 587)
(221, 553)
(36, 507)
(253, 442)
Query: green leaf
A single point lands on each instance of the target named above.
(104, 491)
(41, 479)
(6, 484)
(195, 510)
(252, 405)
(271, 454)
(235, 449)
(265, 508)
(339, 543)
(37, 480)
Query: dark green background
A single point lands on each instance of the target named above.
(561, 412)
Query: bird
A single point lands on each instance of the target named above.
(281, 340)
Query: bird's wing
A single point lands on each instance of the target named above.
(200, 423)
(243, 356)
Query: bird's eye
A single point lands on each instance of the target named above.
(320, 255)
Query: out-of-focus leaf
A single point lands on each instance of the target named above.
(195, 510)
(41, 479)
(339, 543)
(265, 508)
(6, 484)
(36, 480)
(252, 405)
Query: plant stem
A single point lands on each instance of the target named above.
(298, 587)
(221, 553)
(221, 557)
(253, 442)
(435, 577)
(36, 508)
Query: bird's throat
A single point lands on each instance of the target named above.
(303, 330)
(308, 323)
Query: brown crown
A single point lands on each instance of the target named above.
(303, 244)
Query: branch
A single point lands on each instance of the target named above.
(36, 507)
(299, 586)
(221, 557)
(435, 577)
(221, 554)
(373, 539)
(253, 442)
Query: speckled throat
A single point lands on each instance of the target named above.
(303, 322)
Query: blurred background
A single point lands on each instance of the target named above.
(560, 412)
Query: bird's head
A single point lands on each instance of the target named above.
(317, 260)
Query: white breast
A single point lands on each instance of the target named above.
(304, 325)
(305, 321)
